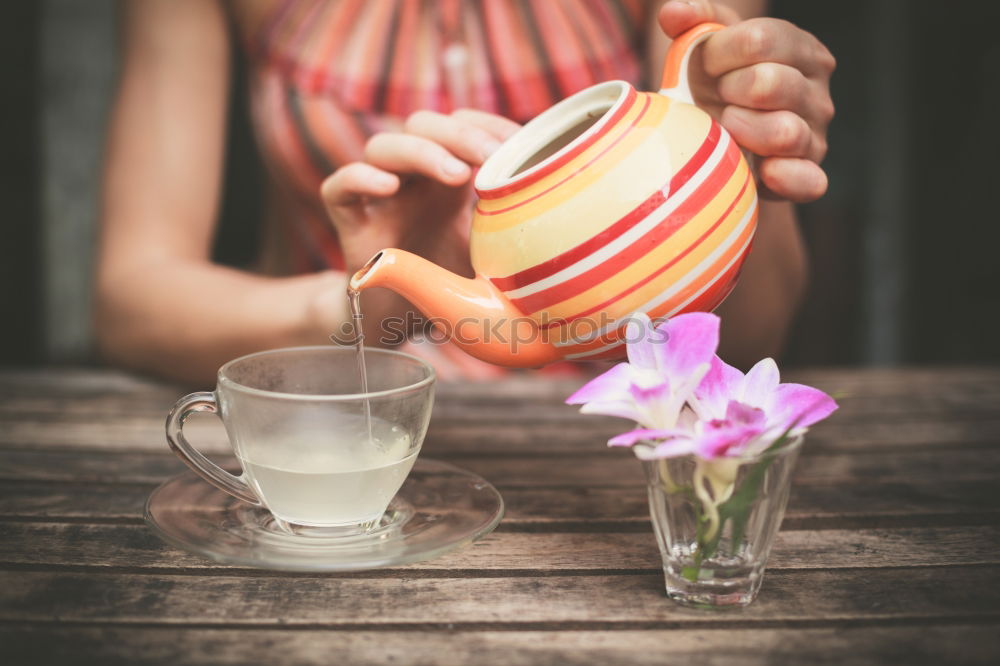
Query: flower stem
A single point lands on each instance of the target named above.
(665, 480)
(708, 503)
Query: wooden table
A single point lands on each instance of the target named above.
(889, 553)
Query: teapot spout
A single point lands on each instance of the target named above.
(471, 313)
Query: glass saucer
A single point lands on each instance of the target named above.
(439, 508)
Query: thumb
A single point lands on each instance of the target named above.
(678, 16)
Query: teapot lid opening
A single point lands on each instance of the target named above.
(551, 138)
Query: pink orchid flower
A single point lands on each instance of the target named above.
(665, 365)
(785, 408)
(688, 401)
(732, 414)
(708, 439)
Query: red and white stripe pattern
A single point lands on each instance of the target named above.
(680, 249)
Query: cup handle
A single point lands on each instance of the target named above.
(675, 83)
(203, 401)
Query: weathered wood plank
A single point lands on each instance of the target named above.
(955, 402)
(844, 432)
(908, 448)
(549, 430)
(128, 433)
(858, 645)
(73, 501)
(881, 408)
(69, 380)
(810, 507)
(840, 434)
(788, 598)
(136, 547)
(889, 409)
(599, 468)
(79, 382)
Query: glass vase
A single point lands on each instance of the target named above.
(715, 522)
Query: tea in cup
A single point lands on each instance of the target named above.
(315, 450)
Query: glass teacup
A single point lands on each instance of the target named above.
(315, 450)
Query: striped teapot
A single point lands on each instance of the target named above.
(611, 202)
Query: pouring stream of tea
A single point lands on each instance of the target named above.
(355, 298)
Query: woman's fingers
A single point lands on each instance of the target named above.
(407, 153)
(463, 139)
(790, 151)
(678, 16)
(773, 133)
(772, 86)
(433, 145)
(766, 40)
(771, 81)
(440, 147)
(768, 86)
(353, 183)
(501, 128)
(792, 178)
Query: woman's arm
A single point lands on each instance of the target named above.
(768, 84)
(161, 305)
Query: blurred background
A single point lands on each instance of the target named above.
(904, 246)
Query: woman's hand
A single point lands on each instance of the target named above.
(414, 188)
(768, 83)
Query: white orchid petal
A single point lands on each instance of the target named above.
(611, 385)
(692, 339)
(760, 384)
(720, 384)
(642, 341)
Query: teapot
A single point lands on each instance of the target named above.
(610, 203)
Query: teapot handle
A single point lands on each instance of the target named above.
(675, 70)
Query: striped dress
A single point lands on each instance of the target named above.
(326, 75)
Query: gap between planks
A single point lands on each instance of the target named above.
(67, 547)
(908, 594)
(729, 623)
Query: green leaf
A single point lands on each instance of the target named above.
(736, 509)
